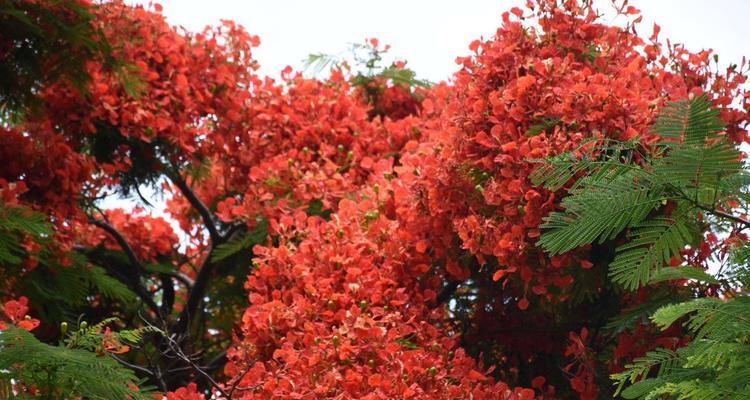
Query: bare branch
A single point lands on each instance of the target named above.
(208, 218)
(121, 241)
(132, 366)
(200, 284)
(236, 384)
(199, 288)
(136, 265)
(184, 279)
(168, 294)
(196, 295)
(175, 348)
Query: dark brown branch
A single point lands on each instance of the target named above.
(174, 346)
(132, 366)
(205, 213)
(200, 284)
(725, 215)
(195, 298)
(234, 229)
(215, 363)
(718, 213)
(201, 280)
(121, 241)
(236, 384)
(184, 279)
(135, 282)
(168, 295)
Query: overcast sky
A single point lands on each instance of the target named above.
(431, 34)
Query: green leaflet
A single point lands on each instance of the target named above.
(71, 372)
(241, 242)
(688, 183)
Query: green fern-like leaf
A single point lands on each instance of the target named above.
(682, 273)
(661, 359)
(242, 242)
(404, 77)
(599, 211)
(699, 166)
(709, 317)
(63, 372)
(600, 162)
(319, 62)
(15, 224)
(690, 121)
(641, 312)
(689, 183)
(652, 245)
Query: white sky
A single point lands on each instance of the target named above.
(431, 34)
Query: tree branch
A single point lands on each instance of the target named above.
(136, 265)
(168, 295)
(121, 241)
(200, 284)
(174, 346)
(186, 280)
(205, 213)
(132, 366)
(725, 215)
(716, 212)
(195, 297)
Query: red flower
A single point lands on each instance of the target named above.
(112, 344)
(16, 311)
(190, 392)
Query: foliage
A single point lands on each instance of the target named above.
(692, 173)
(69, 370)
(367, 234)
(696, 177)
(393, 90)
(19, 225)
(43, 42)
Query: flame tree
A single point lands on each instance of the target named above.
(363, 235)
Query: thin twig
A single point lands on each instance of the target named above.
(132, 366)
(175, 347)
(236, 384)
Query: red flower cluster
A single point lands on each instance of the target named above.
(182, 89)
(344, 312)
(297, 143)
(529, 93)
(45, 169)
(17, 313)
(401, 258)
(186, 393)
(151, 238)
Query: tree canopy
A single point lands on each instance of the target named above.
(564, 218)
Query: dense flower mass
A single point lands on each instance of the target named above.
(343, 312)
(354, 236)
(528, 94)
